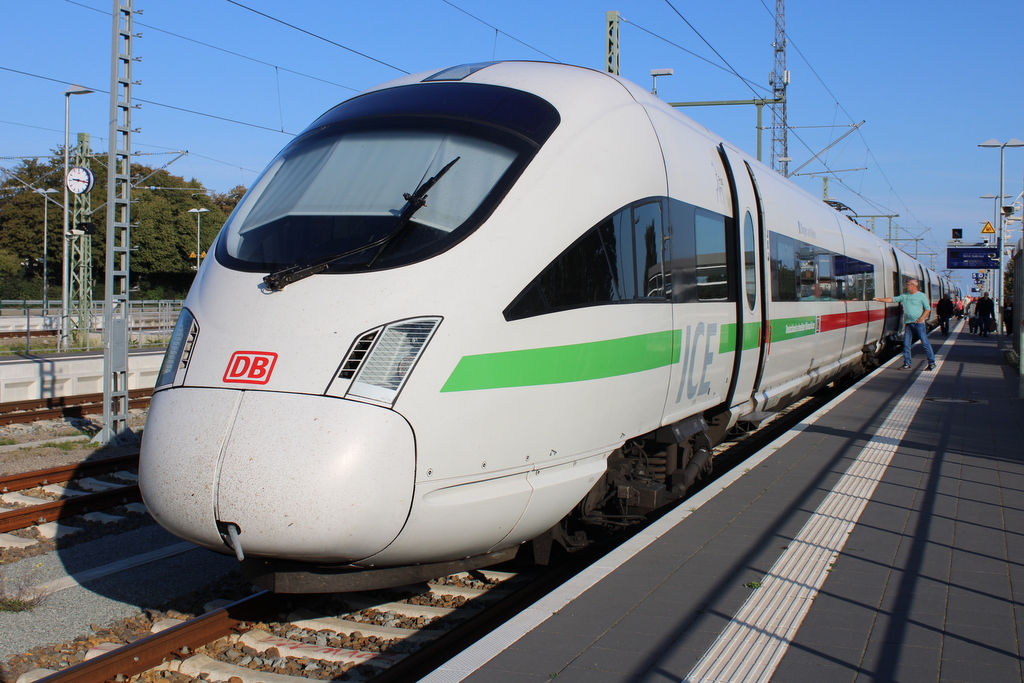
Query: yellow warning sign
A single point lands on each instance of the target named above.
(988, 229)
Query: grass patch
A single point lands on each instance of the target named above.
(18, 595)
(7, 442)
(66, 445)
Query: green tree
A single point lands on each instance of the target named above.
(228, 201)
(163, 232)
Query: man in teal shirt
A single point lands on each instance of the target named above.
(916, 308)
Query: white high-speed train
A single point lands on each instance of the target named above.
(486, 305)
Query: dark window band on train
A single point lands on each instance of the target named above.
(805, 272)
(620, 260)
(339, 194)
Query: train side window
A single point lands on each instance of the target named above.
(601, 266)
(784, 275)
(647, 235)
(749, 256)
(617, 238)
(683, 258)
(712, 265)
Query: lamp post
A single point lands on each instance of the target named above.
(63, 339)
(1012, 142)
(46, 226)
(198, 213)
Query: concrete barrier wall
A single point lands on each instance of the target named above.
(27, 379)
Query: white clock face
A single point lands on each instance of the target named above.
(79, 180)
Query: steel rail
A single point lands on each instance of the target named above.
(56, 510)
(153, 650)
(59, 475)
(64, 406)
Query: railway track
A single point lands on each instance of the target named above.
(276, 639)
(374, 636)
(71, 501)
(60, 407)
(387, 636)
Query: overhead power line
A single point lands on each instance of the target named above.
(318, 37)
(690, 52)
(219, 49)
(498, 30)
(724, 60)
(155, 104)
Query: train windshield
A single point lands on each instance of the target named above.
(373, 193)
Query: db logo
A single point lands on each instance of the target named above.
(250, 367)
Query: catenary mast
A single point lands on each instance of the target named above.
(778, 80)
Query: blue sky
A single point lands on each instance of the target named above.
(931, 80)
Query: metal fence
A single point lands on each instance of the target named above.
(28, 327)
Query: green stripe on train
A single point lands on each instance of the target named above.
(570, 363)
(751, 337)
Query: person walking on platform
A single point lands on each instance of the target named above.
(916, 308)
(1008, 317)
(945, 311)
(986, 310)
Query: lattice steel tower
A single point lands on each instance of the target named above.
(80, 246)
(778, 80)
(119, 168)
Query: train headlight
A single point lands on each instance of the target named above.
(394, 354)
(179, 349)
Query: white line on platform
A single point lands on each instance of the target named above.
(750, 648)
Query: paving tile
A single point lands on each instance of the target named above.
(906, 634)
(982, 671)
(583, 674)
(530, 662)
(905, 664)
(499, 676)
(569, 644)
(588, 625)
(794, 670)
(970, 650)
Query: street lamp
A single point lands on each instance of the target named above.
(46, 225)
(62, 343)
(1012, 142)
(198, 213)
(654, 75)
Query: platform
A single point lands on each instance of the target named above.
(880, 540)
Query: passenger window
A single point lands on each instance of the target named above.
(647, 233)
(784, 276)
(712, 269)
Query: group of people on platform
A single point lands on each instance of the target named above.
(981, 315)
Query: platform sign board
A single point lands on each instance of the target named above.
(972, 258)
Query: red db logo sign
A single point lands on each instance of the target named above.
(250, 367)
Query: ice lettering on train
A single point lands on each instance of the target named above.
(688, 380)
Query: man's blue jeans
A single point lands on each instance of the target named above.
(910, 330)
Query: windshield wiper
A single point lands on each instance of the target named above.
(279, 279)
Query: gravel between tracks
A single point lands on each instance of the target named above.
(21, 448)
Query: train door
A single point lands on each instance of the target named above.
(749, 295)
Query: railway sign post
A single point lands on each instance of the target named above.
(977, 256)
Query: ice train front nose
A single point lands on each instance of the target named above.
(336, 488)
